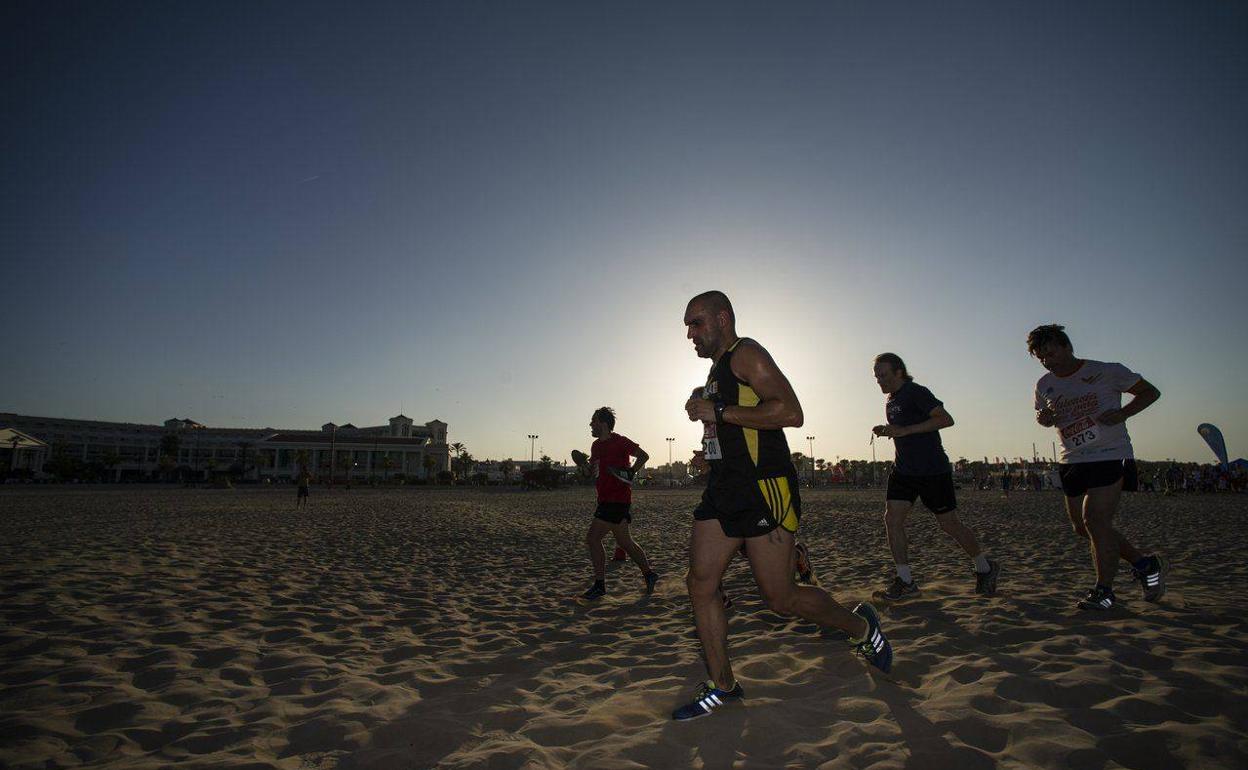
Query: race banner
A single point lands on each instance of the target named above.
(1213, 437)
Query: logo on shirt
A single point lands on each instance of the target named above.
(1092, 379)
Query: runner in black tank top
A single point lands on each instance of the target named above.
(751, 498)
(752, 487)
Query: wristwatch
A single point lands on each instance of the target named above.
(720, 406)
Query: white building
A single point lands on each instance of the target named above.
(21, 453)
(135, 451)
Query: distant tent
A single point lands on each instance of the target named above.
(1240, 465)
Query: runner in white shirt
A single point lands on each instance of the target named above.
(1083, 400)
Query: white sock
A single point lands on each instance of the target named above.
(981, 563)
(903, 572)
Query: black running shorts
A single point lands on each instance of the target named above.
(1078, 478)
(613, 513)
(936, 492)
(752, 508)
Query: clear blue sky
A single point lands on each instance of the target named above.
(493, 213)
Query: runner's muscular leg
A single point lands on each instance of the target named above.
(625, 540)
(895, 513)
(1099, 507)
(1075, 507)
(598, 529)
(709, 554)
(953, 527)
(771, 559)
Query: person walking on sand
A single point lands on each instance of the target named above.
(304, 479)
(608, 462)
(1082, 399)
(751, 497)
(922, 471)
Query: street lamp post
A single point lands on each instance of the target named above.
(196, 453)
(333, 445)
(532, 437)
(811, 439)
(670, 440)
(873, 479)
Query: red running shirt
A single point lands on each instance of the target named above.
(614, 451)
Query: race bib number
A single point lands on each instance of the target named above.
(1081, 433)
(710, 441)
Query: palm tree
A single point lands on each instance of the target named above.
(386, 464)
(110, 460)
(166, 463)
(262, 461)
(169, 445)
(463, 463)
(429, 464)
(506, 467)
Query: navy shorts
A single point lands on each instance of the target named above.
(613, 513)
(1078, 478)
(936, 492)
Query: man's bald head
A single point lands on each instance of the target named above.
(710, 323)
(715, 302)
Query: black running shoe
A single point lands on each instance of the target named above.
(900, 589)
(595, 592)
(875, 647)
(651, 579)
(986, 582)
(1153, 579)
(1098, 599)
(707, 699)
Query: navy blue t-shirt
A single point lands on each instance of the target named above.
(920, 454)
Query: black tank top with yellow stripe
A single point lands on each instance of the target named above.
(738, 454)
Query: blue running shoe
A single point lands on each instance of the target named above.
(874, 646)
(707, 699)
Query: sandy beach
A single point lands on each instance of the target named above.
(421, 628)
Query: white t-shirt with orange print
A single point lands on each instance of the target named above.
(1077, 399)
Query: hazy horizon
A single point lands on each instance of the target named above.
(494, 215)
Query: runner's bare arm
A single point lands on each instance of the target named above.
(938, 418)
(640, 461)
(1145, 394)
(777, 407)
(582, 461)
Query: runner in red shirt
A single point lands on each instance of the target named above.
(609, 462)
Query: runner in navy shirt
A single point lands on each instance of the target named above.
(921, 471)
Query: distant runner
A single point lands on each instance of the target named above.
(609, 462)
(304, 480)
(751, 497)
(1082, 398)
(915, 418)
